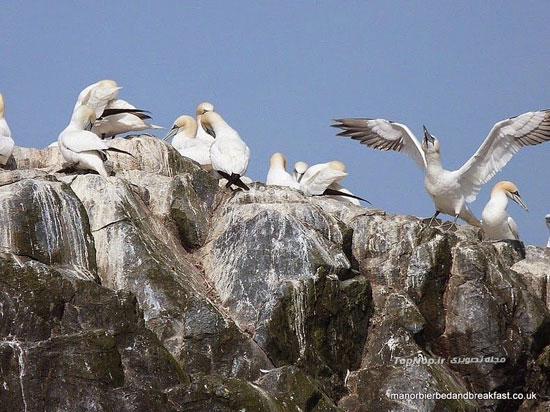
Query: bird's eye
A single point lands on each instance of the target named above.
(516, 193)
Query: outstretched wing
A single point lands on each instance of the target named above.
(383, 134)
(504, 140)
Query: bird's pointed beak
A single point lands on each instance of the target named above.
(89, 126)
(173, 131)
(428, 138)
(209, 130)
(519, 201)
(547, 218)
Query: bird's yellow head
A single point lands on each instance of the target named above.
(204, 107)
(337, 165)
(183, 123)
(510, 190)
(107, 83)
(209, 120)
(278, 159)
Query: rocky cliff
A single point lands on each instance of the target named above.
(155, 290)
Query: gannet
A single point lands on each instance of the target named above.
(299, 170)
(277, 175)
(185, 142)
(319, 180)
(450, 190)
(113, 116)
(347, 196)
(97, 96)
(6, 142)
(119, 117)
(495, 221)
(547, 219)
(82, 148)
(203, 108)
(229, 154)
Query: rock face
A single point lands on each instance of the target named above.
(156, 290)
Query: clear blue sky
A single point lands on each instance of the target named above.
(279, 72)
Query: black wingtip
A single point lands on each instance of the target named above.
(334, 192)
(111, 112)
(234, 179)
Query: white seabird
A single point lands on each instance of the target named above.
(299, 170)
(547, 219)
(97, 96)
(496, 223)
(203, 108)
(113, 116)
(451, 190)
(186, 143)
(229, 154)
(120, 117)
(321, 179)
(82, 148)
(6, 142)
(277, 174)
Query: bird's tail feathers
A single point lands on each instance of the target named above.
(234, 179)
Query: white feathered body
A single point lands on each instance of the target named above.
(318, 178)
(84, 149)
(96, 97)
(193, 148)
(6, 142)
(497, 224)
(278, 176)
(445, 189)
(122, 122)
(229, 153)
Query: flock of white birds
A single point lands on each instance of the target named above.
(208, 139)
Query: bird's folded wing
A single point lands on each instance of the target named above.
(383, 134)
(6, 145)
(100, 98)
(504, 140)
(82, 141)
(316, 183)
(513, 227)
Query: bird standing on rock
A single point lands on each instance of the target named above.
(229, 154)
(277, 174)
(451, 190)
(495, 221)
(82, 148)
(6, 142)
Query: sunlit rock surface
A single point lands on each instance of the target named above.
(156, 290)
